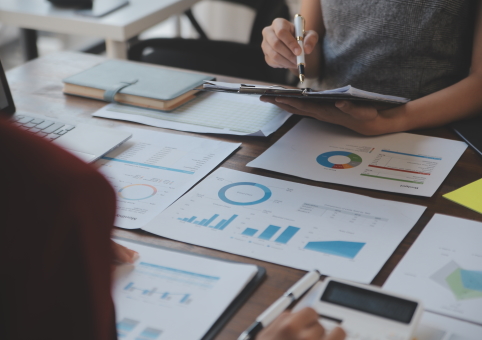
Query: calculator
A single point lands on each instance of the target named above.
(366, 312)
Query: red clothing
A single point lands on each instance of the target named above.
(56, 215)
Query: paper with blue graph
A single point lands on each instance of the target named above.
(341, 234)
(443, 268)
(153, 169)
(172, 295)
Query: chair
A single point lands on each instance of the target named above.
(215, 56)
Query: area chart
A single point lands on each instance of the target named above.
(338, 248)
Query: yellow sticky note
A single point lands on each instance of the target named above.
(469, 196)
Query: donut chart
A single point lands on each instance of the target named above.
(266, 193)
(355, 160)
(137, 192)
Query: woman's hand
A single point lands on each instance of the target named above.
(124, 255)
(364, 119)
(280, 46)
(302, 325)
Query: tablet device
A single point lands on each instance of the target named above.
(470, 131)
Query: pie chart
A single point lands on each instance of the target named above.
(352, 161)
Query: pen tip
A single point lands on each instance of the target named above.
(302, 78)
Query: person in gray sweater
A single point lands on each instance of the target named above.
(428, 51)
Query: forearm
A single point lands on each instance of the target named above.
(459, 101)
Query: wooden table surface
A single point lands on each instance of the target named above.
(37, 87)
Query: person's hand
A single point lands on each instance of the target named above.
(302, 325)
(123, 255)
(364, 119)
(280, 46)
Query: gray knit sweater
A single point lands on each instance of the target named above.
(407, 48)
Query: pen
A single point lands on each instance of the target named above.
(273, 311)
(300, 33)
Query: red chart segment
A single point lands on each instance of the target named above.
(323, 159)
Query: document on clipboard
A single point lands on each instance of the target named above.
(168, 294)
(343, 93)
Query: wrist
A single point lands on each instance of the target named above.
(395, 119)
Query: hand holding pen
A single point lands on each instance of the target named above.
(275, 324)
(282, 49)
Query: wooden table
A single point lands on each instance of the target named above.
(37, 87)
(116, 28)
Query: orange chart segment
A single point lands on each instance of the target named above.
(323, 159)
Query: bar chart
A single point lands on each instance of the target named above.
(206, 222)
(125, 326)
(268, 233)
(181, 298)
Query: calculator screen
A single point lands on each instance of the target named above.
(370, 302)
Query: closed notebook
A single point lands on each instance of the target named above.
(136, 84)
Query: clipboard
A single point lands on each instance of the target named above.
(234, 306)
(343, 93)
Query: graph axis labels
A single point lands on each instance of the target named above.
(126, 197)
(355, 160)
(222, 193)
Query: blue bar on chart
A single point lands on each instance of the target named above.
(219, 225)
(149, 334)
(184, 299)
(206, 222)
(125, 326)
(223, 224)
(269, 232)
(249, 231)
(287, 234)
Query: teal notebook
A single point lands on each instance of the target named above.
(136, 84)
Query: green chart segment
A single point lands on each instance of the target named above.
(464, 284)
(323, 159)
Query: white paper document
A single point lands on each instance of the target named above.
(437, 327)
(171, 295)
(400, 162)
(431, 327)
(300, 226)
(153, 169)
(443, 268)
(222, 113)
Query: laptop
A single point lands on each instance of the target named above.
(87, 142)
